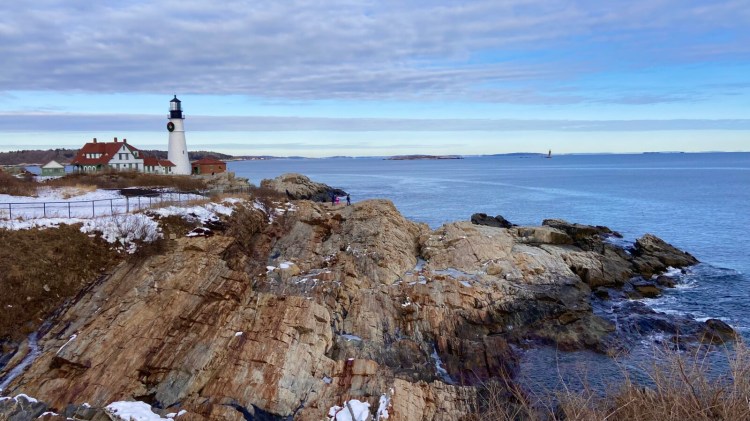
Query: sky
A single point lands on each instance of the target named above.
(346, 77)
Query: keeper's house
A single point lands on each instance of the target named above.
(118, 156)
(209, 166)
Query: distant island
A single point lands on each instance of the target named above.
(420, 157)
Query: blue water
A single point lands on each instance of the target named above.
(697, 202)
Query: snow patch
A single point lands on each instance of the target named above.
(125, 230)
(133, 411)
(382, 413)
(441, 371)
(176, 414)
(25, 396)
(66, 343)
(360, 411)
(349, 337)
(286, 265)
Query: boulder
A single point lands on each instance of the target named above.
(652, 255)
(490, 221)
(718, 331)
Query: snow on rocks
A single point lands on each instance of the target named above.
(132, 411)
(66, 343)
(177, 414)
(384, 404)
(353, 410)
(125, 230)
(208, 212)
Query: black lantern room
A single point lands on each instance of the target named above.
(175, 108)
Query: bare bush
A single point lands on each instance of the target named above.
(682, 388)
(125, 179)
(17, 186)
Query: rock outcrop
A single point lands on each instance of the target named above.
(490, 221)
(298, 186)
(282, 318)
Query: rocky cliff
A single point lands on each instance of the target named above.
(285, 315)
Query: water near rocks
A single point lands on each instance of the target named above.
(697, 202)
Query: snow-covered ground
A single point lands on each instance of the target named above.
(116, 218)
(75, 203)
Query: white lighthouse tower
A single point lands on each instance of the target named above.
(177, 152)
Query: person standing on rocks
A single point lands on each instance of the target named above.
(348, 200)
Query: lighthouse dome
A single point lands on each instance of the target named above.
(175, 108)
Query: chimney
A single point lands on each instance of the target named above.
(115, 140)
(124, 140)
(94, 140)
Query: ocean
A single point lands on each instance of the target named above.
(699, 202)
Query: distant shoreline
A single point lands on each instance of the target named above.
(39, 157)
(421, 157)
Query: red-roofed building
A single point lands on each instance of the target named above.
(118, 156)
(208, 166)
(153, 165)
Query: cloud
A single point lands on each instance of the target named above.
(485, 50)
(137, 123)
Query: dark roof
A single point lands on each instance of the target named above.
(175, 99)
(155, 162)
(106, 149)
(208, 161)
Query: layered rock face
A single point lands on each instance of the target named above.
(285, 318)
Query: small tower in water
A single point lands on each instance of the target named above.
(177, 152)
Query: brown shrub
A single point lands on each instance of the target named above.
(682, 388)
(15, 186)
(267, 198)
(42, 269)
(125, 179)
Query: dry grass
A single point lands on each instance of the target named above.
(77, 190)
(267, 198)
(125, 179)
(15, 186)
(43, 268)
(682, 389)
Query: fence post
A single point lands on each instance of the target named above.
(68, 210)
(127, 205)
(111, 208)
(139, 202)
(10, 211)
(93, 209)
(44, 209)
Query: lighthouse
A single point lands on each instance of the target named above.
(177, 152)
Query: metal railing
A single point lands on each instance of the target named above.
(92, 208)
